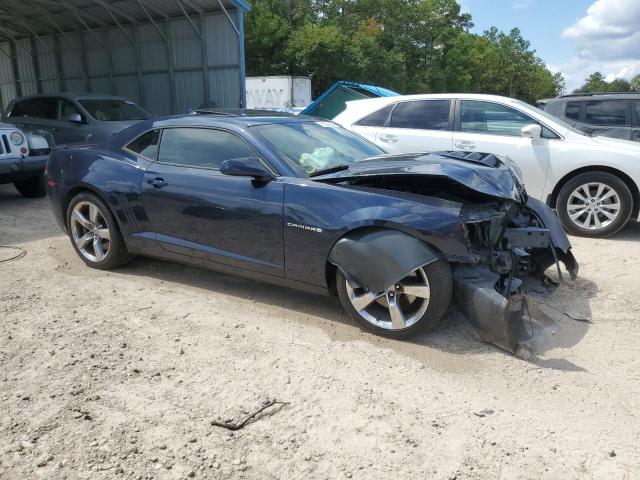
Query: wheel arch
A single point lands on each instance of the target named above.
(413, 252)
(635, 192)
(78, 189)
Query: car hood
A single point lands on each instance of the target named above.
(617, 143)
(481, 172)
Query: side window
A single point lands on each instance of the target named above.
(606, 112)
(572, 110)
(146, 145)
(46, 108)
(201, 147)
(67, 108)
(20, 109)
(637, 112)
(422, 114)
(492, 118)
(377, 118)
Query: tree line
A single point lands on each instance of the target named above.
(596, 83)
(412, 46)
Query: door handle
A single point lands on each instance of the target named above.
(157, 182)
(388, 138)
(465, 145)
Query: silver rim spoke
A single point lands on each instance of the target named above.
(421, 291)
(363, 301)
(397, 308)
(84, 240)
(80, 218)
(397, 317)
(104, 233)
(593, 206)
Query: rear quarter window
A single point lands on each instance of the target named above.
(146, 145)
(422, 115)
(377, 118)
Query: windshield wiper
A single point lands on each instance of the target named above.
(324, 171)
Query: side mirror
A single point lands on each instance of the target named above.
(74, 118)
(246, 167)
(533, 131)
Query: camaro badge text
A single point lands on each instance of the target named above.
(304, 227)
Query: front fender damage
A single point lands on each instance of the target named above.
(379, 258)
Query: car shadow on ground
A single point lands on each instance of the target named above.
(630, 233)
(452, 343)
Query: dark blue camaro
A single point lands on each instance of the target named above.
(306, 204)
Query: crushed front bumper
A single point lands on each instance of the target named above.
(496, 304)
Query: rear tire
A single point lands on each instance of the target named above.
(423, 312)
(32, 187)
(594, 204)
(94, 233)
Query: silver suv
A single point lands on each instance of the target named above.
(615, 115)
(74, 118)
(22, 160)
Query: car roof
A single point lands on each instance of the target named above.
(607, 95)
(435, 96)
(73, 96)
(238, 117)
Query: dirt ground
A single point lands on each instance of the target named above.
(120, 374)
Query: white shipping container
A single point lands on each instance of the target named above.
(278, 92)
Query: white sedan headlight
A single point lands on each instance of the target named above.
(16, 138)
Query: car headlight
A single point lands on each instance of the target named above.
(16, 138)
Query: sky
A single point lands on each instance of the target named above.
(574, 37)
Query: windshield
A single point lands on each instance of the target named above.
(114, 110)
(310, 147)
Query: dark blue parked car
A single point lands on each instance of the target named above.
(306, 204)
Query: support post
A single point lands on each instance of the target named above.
(57, 55)
(172, 74)
(85, 63)
(205, 60)
(241, 61)
(14, 68)
(35, 64)
(136, 51)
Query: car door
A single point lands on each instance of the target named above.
(491, 127)
(68, 129)
(417, 126)
(197, 211)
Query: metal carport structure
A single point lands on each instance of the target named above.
(167, 55)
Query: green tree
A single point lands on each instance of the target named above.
(634, 84)
(593, 84)
(413, 46)
(619, 85)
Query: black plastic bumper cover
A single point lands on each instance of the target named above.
(10, 167)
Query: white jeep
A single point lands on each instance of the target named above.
(23, 158)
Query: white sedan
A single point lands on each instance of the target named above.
(591, 181)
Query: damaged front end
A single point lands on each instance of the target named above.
(510, 239)
(515, 245)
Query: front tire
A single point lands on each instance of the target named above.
(94, 233)
(594, 204)
(417, 303)
(32, 187)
